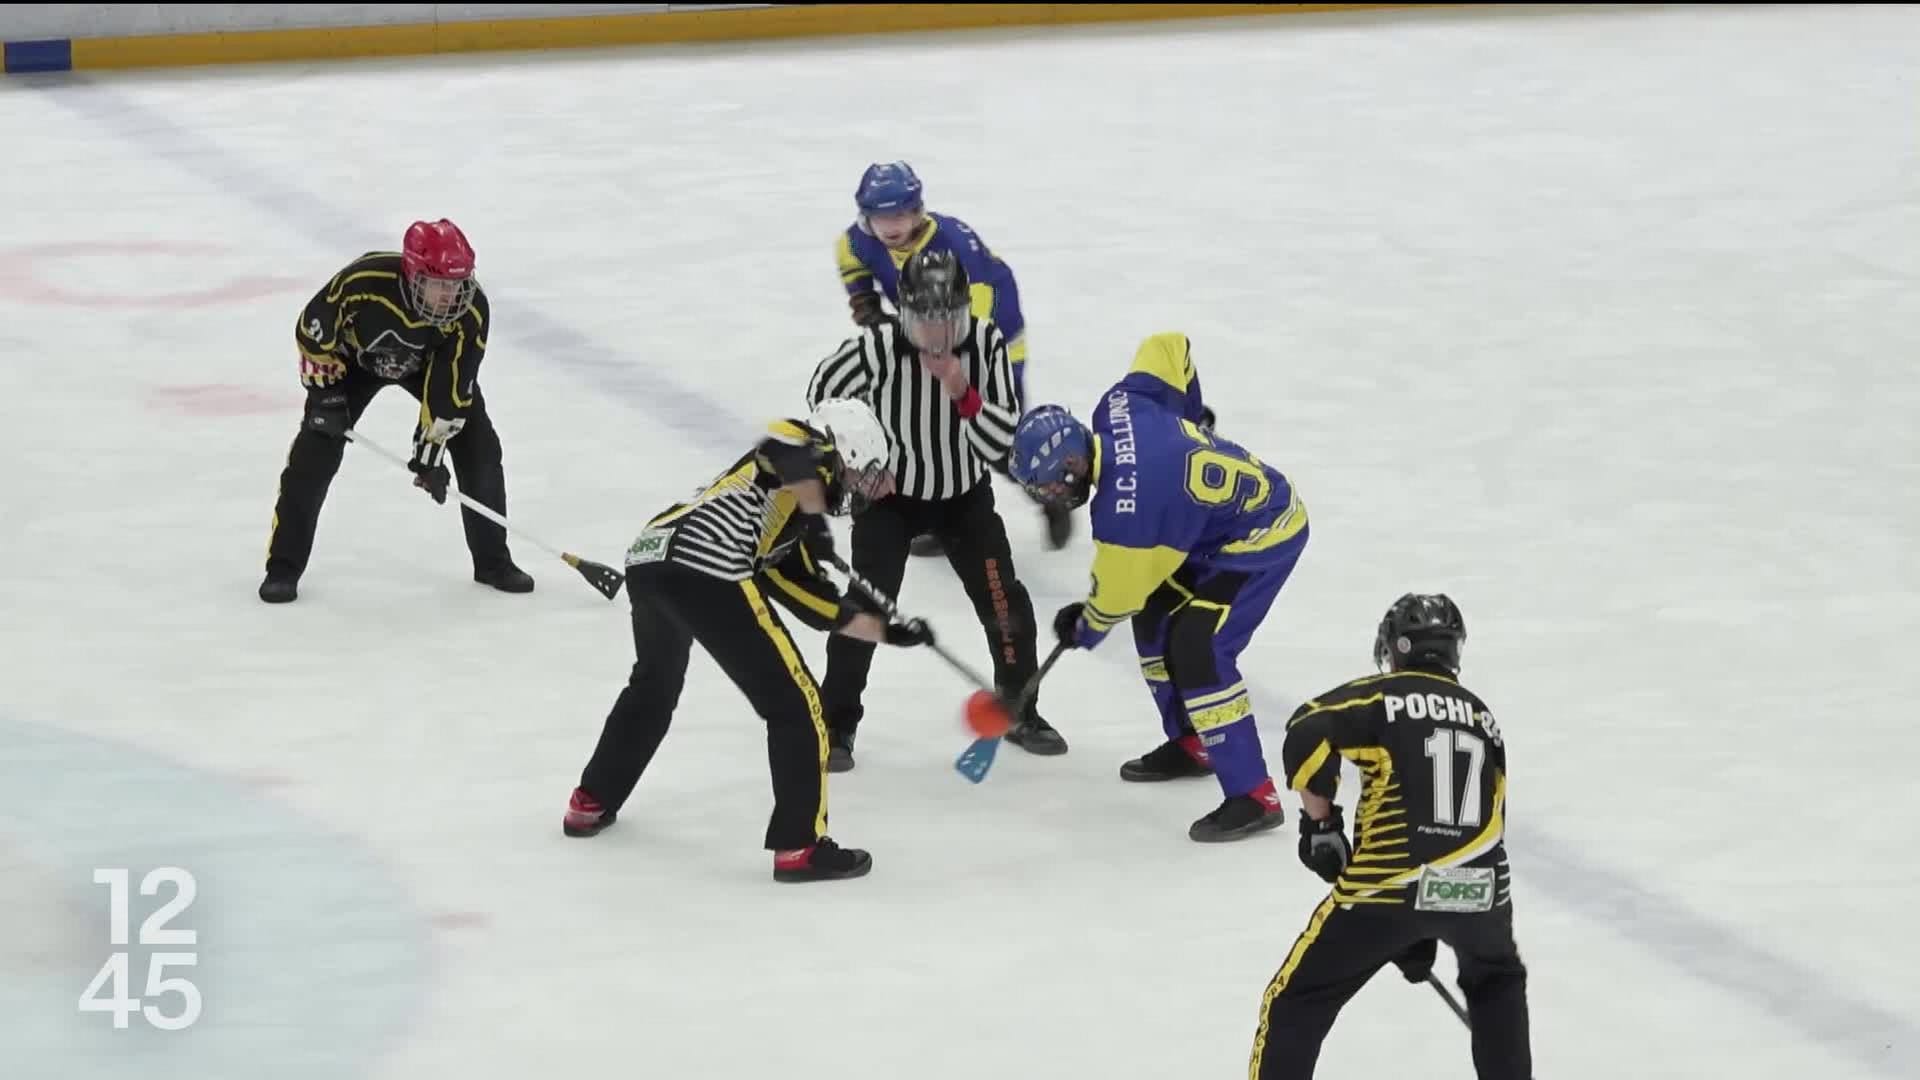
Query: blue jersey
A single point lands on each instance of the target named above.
(864, 262)
(1168, 493)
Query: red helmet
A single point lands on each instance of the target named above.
(436, 265)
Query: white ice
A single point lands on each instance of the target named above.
(1603, 322)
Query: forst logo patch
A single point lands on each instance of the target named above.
(1454, 890)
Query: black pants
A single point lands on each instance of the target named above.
(315, 457)
(674, 607)
(1342, 947)
(976, 546)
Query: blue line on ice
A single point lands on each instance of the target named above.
(1745, 970)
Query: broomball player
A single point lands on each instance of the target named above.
(414, 318)
(702, 572)
(1430, 862)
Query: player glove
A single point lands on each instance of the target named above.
(1417, 963)
(1206, 419)
(909, 633)
(327, 412)
(1323, 844)
(1064, 622)
(866, 308)
(431, 479)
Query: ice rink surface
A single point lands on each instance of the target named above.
(1602, 322)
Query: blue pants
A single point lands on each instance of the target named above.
(1189, 637)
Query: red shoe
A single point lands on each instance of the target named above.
(585, 815)
(823, 860)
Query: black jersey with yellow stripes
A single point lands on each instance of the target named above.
(744, 524)
(1430, 821)
(361, 318)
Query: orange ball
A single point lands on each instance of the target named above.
(986, 716)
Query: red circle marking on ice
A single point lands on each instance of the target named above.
(461, 920)
(20, 279)
(217, 399)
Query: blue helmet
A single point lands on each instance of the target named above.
(1052, 457)
(892, 186)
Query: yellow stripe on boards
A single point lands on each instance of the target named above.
(601, 31)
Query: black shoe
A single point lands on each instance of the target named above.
(1036, 736)
(839, 751)
(824, 861)
(506, 577)
(927, 546)
(1170, 760)
(279, 590)
(1059, 526)
(1240, 817)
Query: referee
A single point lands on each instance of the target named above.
(939, 380)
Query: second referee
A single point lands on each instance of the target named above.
(940, 383)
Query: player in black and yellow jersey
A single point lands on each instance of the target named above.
(702, 571)
(416, 318)
(1431, 864)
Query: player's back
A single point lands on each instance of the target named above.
(1430, 820)
(1166, 482)
(736, 523)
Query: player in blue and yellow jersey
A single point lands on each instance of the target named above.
(893, 226)
(1193, 538)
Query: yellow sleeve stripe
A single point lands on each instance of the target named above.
(851, 268)
(806, 599)
(459, 350)
(981, 297)
(1017, 348)
(1311, 767)
(1125, 576)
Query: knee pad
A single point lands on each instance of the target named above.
(1190, 656)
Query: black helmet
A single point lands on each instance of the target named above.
(935, 300)
(1420, 628)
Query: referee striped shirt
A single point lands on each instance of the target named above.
(939, 454)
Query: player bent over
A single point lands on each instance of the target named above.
(418, 319)
(1431, 863)
(1193, 538)
(703, 572)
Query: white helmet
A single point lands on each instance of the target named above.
(866, 457)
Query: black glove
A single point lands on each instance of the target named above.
(327, 412)
(818, 536)
(909, 633)
(1417, 963)
(1323, 844)
(431, 479)
(1206, 419)
(1064, 622)
(866, 308)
